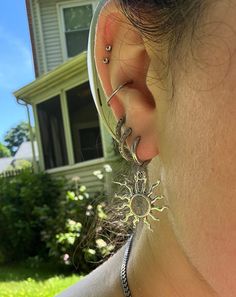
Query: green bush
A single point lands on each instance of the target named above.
(52, 219)
(26, 202)
(75, 237)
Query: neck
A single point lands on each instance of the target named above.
(159, 267)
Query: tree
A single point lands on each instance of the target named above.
(15, 136)
(4, 151)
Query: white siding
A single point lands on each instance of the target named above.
(37, 37)
(51, 33)
(87, 177)
(47, 33)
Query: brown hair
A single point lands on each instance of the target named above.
(164, 21)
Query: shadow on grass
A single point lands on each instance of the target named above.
(21, 271)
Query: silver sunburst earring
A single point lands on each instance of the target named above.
(138, 199)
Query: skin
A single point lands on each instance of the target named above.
(191, 138)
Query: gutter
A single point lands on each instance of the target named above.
(35, 165)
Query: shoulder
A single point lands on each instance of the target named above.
(102, 282)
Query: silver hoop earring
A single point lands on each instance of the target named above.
(117, 90)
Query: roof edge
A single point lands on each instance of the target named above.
(63, 72)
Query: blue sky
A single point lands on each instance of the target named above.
(16, 65)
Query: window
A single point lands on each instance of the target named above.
(52, 133)
(76, 27)
(84, 124)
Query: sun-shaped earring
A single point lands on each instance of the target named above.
(138, 199)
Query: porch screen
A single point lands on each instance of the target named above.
(52, 133)
(84, 124)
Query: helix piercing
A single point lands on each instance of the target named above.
(106, 61)
(108, 48)
(117, 90)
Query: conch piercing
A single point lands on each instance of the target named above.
(138, 198)
(117, 90)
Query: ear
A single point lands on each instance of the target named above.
(128, 61)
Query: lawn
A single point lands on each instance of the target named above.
(20, 281)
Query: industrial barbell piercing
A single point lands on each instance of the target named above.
(108, 48)
(117, 90)
(105, 61)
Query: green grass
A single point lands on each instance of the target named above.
(20, 281)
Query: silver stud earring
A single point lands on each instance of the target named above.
(108, 48)
(106, 61)
(138, 200)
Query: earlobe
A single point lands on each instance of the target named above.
(121, 57)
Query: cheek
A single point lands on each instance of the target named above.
(198, 176)
(198, 146)
(199, 167)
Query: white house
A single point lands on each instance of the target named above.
(71, 138)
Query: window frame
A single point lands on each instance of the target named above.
(87, 125)
(60, 7)
(41, 144)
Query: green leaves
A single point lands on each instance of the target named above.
(15, 136)
(27, 204)
(4, 151)
(53, 219)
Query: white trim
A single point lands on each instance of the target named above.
(51, 96)
(73, 71)
(60, 7)
(81, 82)
(38, 138)
(77, 165)
(59, 92)
(41, 37)
(67, 128)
